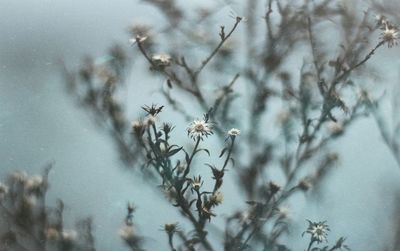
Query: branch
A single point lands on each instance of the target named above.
(223, 40)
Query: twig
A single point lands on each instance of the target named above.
(214, 52)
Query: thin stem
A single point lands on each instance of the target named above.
(214, 52)
(367, 57)
(229, 154)
(170, 242)
(310, 245)
(187, 170)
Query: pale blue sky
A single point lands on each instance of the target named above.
(40, 123)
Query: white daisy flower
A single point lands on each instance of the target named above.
(318, 231)
(199, 128)
(389, 35)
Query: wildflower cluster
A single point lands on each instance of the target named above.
(196, 202)
(31, 224)
(319, 97)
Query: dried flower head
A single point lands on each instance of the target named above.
(126, 232)
(273, 187)
(152, 110)
(138, 127)
(207, 213)
(304, 185)
(199, 128)
(216, 198)
(137, 39)
(389, 34)
(335, 128)
(171, 228)
(161, 61)
(197, 183)
(233, 132)
(318, 231)
(167, 128)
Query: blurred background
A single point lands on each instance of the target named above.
(40, 123)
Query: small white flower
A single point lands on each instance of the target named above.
(318, 231)
(161, 60)
(197, 183)
(199, 128)
(234, 132)
(389, 35)
(139, 38)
